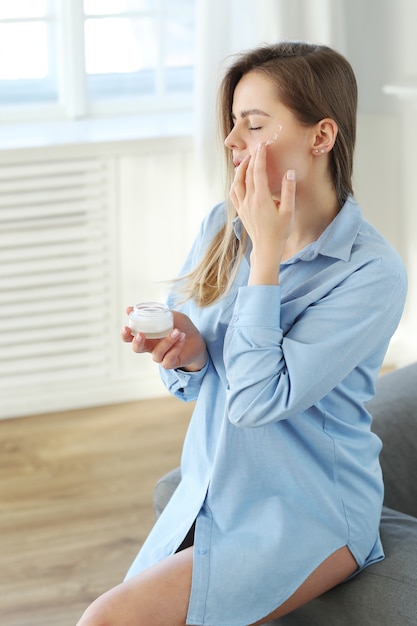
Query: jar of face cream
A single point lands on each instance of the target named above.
(153, 319)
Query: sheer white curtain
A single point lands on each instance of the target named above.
(225, 27)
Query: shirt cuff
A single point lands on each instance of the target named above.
(183, 385)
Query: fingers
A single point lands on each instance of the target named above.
(250, 177)
(173, 358)
(238, 188)
(164, 351)
(126, 334)
(288, 189)
(258, 174)
(251, 181)
(287, 205)
(139, 342)
(167, 351)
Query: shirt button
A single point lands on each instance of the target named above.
(202, 551)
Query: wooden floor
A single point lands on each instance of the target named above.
(76, 503)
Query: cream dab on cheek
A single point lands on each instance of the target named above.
(274, 137)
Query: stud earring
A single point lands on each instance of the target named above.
(317, 151)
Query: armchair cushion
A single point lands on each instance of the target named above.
(383, 594)
(394, 412)
(164, 489)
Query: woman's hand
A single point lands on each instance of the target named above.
(184, 347)
(268, 222)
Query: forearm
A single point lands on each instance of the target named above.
(264, 267)
(197, 364)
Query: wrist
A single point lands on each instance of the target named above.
(264, 272)
(265, 262)
(197, 365)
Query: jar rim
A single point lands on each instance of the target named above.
(150, 308)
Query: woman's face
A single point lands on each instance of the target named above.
(260, 117)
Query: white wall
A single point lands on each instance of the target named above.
(381, 44)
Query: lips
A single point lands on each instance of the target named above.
(237, 162)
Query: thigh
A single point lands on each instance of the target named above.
(333, 571)
(156, 597)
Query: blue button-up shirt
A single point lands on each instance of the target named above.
(279, 465)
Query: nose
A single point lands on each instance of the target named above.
(233, 141)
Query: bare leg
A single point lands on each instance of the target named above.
(155, 597)
(334, 570)
(162, 593)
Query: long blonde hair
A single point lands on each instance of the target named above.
(314, 82)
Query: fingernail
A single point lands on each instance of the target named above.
(177, 334)
(291, 175)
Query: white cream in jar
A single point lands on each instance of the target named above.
(153, 319)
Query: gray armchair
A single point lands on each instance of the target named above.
(384, 594)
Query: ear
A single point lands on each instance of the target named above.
(325, 133)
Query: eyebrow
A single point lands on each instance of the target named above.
(248, 112)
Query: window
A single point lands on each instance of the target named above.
(74, 58)
(27, 65)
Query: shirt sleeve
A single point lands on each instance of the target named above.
(272, 376)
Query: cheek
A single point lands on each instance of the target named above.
(275, 169)
(279, 160)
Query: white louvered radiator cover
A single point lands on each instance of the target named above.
(56, 278)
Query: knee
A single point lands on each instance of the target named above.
(95, 615)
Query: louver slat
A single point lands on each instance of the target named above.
(55, 272)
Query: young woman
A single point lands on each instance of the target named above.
(285, 308)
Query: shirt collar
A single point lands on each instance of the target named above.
(338, 238)
(336, 241)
